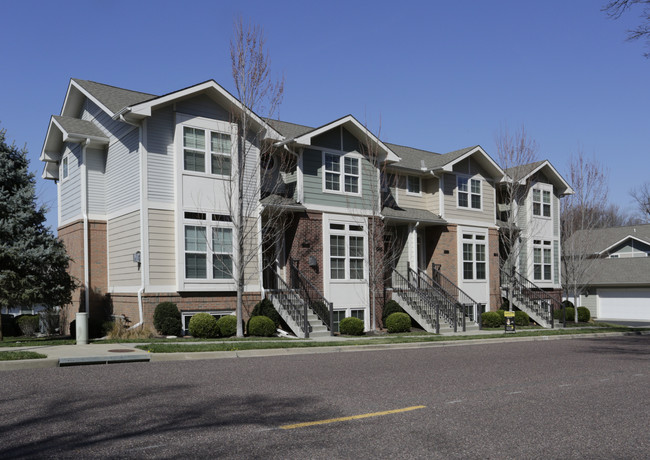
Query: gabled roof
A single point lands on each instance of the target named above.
(522, 173)
(629, 271)
(604, 239)
(110, 99)
(412, 215)
(288, 130)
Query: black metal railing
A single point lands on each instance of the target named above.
(310, 294)
(452, 311)
(449, 287)
(291, 302)
(417, 299)
(527, 294)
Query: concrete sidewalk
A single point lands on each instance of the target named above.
(107, 353)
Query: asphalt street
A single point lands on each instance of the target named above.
(585, 398)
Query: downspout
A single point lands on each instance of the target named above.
(143, 254)
(84, 210)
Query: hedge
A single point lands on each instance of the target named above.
(491, 319)
(351, 326)
(398, 322)
(261, 326)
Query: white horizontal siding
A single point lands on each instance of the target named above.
(160, 156)
(203, 106)
(122, 173)
(96, 159)
(71, 186)
(123, 242)
(114, 129)
(162, 257)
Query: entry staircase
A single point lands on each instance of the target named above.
(301, 305)
(530, 298)
(435, 301)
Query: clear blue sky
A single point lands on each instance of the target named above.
(440, 75)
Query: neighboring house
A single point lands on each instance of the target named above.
(140, 182)
(618, 283)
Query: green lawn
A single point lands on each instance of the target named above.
(15, 355)
(35, 341)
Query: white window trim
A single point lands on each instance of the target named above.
(473, 242)
(541, 245)
(542, 188)
(65, 162)
(342, 173)
(469, 192)
(347, 233)
(408, 191)
(348, 314)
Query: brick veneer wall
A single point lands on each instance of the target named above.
(444, 241)
(304, 239)
(495, 276)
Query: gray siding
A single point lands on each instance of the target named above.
(71, 186)
(453, 212)
(123, 242)
(313, 184)
(523, 257)
(162, 257)
(591, 302)
(160, 159)
(114, 129)
(123, 173)
(203, 106)
(96, 160)
(556, 262)
(556, 215)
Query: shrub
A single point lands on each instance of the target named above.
(389, 308)
(351, 326)
(261, 326)
(28, 324)
(121, 330)
(266, 308)
(491, 319)
(570, 312)
(203, 326)
(398, 322)
(167, 319)
(227, 325)
(584, 315)
(502, 316)
(567, 303)
(9, 326)
(521, 318)
(505, 304)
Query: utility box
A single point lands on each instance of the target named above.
(82, 328)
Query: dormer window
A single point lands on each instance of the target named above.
(469, 193)
(541, 203)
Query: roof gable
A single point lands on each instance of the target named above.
(110, 99)
(524, 172)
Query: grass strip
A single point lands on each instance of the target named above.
(16, 355)
(9, 342)
(250, 345)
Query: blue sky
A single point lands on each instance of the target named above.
(433, 75)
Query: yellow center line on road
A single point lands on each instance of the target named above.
(351, 417)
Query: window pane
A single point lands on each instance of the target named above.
(357, 314)
(536, 196)
(476, 201)
(480, 253)
(222, 240)
(195, 267)
(195, 238)
(413, 184)
(467, 252)
(547, 210)
(462, 184)
(547, 256)
(547, 197)
(536, 209)
(537, 269)
(356, 246)
(356, 228)
(221, 165)
(338, 315)
(480, 270)
(337, 269)
(462, 200)
(352, 184)
(193, 138)
(220, 143)
(194, 161)
(332, 162)
(337, 246)
(332, 181)
(352, 166)
(468, 270)
(537, 255)
(356, 269)
(476, 186)
(222, 266)
(547, 272)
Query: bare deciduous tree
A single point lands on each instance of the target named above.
(616, 8)
(578, 220)
(642, 197)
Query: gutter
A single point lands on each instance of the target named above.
(84, 210)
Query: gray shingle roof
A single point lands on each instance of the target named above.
(414, 215)
(288, 130)
(620, 272)
(519, 172)
(281, 201)
(113, 98)
(80, 127)
(603, 238)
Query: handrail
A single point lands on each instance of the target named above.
(323, 308)
(453, 311)
(449, 287)
(292, 303)
(532, 296)
(422, 303)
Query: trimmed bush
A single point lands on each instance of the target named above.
(28, 324)
(389, 308)
(398, 322)
(266, 308)
(167, 319)
(584, 315)
(261, 326)
(521, 318)
(351, 326)
(227, 325)
(491, 319)
(203, 326)
(502, 316)
(570, 312)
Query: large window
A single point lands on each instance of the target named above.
(347, 243)
(541, 203)
(199, 144)
(208, 258)
(342, 173)
(474, 260)
(469, 193)
(542, 257)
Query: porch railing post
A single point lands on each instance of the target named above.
(331, 305)
(306, 320)
(437, 318)
(464, 315)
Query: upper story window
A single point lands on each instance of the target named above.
(413, 185)
(474, 257)
(199, 144)
(208, 257)
(541, 203)
(469, 193)
(542, 265)
(347, 243)
(342, 173)
(64, 168)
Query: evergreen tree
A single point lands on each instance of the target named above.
(33, 262)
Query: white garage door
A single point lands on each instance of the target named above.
(630, 304)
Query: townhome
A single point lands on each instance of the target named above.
(145, 187)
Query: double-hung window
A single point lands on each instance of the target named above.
(347, 252)
(208, 247)
(64, 168)
(413, 185)
(474, 257)
(199, 144)
(469, 193)
(196, 251)
(222, 253)
(542, 257)
(342, 173)
(541, 202)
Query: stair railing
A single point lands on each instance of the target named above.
(311, 296)
(440, 281)
(415, 297)
(292, 302)
(453, 312)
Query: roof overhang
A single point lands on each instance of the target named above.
(480, 155)
(74, 99)
(553, 175)
(356, 129)
(137, 112)
(622, 240)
